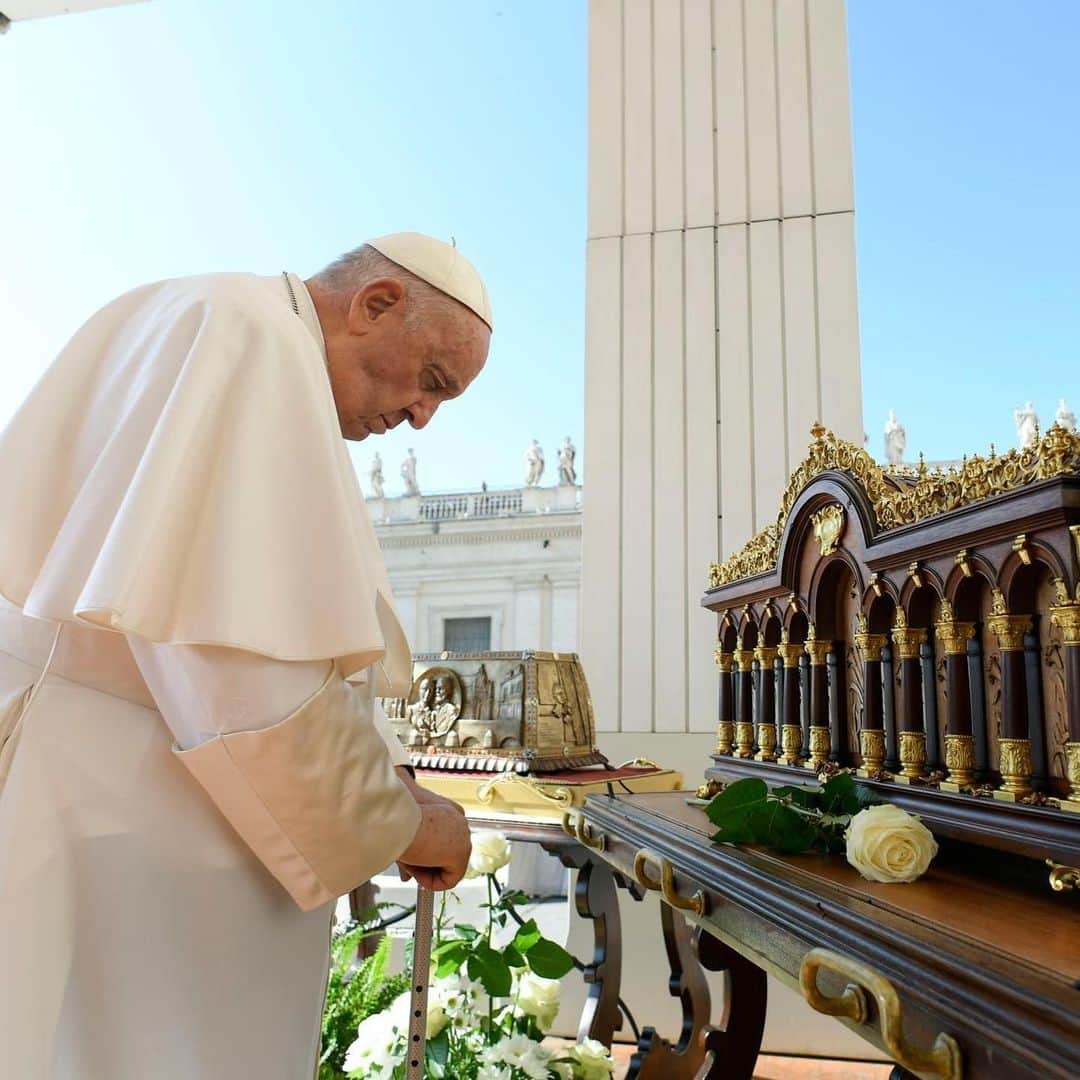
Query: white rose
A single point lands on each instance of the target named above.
(885, 843)
(592, 1061)
(538, 997)
(490, 852)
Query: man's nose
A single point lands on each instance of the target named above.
(421, 413)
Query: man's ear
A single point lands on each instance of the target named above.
(373, 301)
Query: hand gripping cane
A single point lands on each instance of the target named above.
(418, 1003)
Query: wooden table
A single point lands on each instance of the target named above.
(965, 974)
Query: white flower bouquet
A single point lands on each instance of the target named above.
(489, 1005)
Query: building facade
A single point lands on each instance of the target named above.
(479, 570)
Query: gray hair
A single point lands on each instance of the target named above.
(364, 264)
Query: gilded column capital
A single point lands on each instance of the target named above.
(954, 636)
(1009, 631)
(790, 652)
(766, 655)
(870, 645)
(724, 660)
(907, 640)
(1067, 618)
(744, 659)
(818, 651)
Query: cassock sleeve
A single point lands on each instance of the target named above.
(292, 755)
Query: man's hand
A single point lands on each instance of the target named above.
(439, 853)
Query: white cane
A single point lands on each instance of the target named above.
(425, 914)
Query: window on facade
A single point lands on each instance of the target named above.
(467, 635)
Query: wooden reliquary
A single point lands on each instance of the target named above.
(497, 712)
(921, 627)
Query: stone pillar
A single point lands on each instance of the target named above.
(721, 316)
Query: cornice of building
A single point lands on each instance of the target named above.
(391, 536)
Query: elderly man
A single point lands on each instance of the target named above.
(196, 623)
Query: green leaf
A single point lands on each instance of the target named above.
(512, 898)
(526, 937)
(549, 960)
(800, 796)
(730, 810)
(469, 933)
(780, 827)
(866, 796)
(438, 1053)
(513, 957)
(491, 969)
(449, 957)
(737, 797)
(840, 795)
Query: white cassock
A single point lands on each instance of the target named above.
(188, 779)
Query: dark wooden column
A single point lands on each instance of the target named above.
(1035, 710)
(766, 703)
(725, 710)
(790, 655)
(1066, 616)
(976, 687)
(744, 719)
(818, 651)
(872, 733)
(888, 705)
(1014, 742)
(959, 741)
(928, 677)
(834, 668)
(907, 641)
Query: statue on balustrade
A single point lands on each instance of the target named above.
(1027, 426)
(567, 453)
(408, 474)
(375, 476)
(534, 464)
(1065, 417)
(895, 439)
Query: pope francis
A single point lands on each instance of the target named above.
(194, 626)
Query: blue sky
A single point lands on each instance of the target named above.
(967, 210)
(181, 136)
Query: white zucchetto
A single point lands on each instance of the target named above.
(440, 265)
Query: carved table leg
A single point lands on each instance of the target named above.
(361, 900)
(656, 1058)
(595, 899)
(733, 1051)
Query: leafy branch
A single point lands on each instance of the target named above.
(787, 819)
